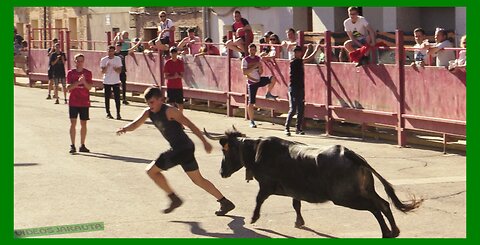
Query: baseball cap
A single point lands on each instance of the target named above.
(173, 49)
(297, 48)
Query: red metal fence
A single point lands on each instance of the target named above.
(429, 99)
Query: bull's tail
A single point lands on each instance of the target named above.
(402, 206)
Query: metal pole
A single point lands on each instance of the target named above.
(328, 64)
(45, 27)
(400, 62)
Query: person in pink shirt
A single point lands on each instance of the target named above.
(243, 34)
(79, 83)
(208, 48)
(190, 44)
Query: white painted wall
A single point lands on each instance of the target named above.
(323, 18)
(460, 23)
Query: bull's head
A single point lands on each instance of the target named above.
(232, 159)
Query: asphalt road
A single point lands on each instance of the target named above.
(109, 184)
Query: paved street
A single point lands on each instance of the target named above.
(109, 184)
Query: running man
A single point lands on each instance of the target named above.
(169, 121)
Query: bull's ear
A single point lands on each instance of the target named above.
(223, 141)
(225, 147)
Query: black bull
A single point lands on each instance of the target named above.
(309, 174)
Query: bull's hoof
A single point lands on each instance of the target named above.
(395, 232)
(299, 223)
(254, 219)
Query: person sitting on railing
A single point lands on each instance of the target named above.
(17, 42)
(461, 61)
(359, 32)
(191, 44)
(420, 52)
(437, 48)
(166, 26)
(208, 48)
(273, 51)
(289, 44)
(243, 34)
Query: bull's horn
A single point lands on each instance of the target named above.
(211, 136)
(233, 126)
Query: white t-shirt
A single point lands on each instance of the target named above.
(443, 56)
(462, 58)
(419, 54)
(166, 25)
(358, 29)
(111, 76)
(255, 74)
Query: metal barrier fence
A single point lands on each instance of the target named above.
(430, 99)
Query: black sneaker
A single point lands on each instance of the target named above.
(252, 124)
(66, 101)
(109, 116)
(271, 96)
(57, 102)
(125, 102)
(83, 149)
(225, 207)
(119, 117)
(176, 202)
(72, 149)
(287, 132)
(300, 132)
(49, 97)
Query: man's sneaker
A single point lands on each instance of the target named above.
(362, 61)
(109, 116)
(83, 149)
(287, 132)
(175, 203)
(225, 207)
(66, 101)
(56, 101)
(72, 149)
(49, 97)
(300, 132)
(119, 117)
(252, 124)
(125, 102)
(270, 96)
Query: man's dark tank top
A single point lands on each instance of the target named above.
(170, 129)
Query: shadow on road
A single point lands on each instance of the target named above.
(236, 225)
(116, 157)
(22, 164)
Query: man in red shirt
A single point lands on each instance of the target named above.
(79, 82)
(243, 34)
(174, 74)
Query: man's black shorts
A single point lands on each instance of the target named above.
(252, 88)
(74, 111)
(175, 95)
(173, 157)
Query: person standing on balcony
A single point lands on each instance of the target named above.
(420, 52)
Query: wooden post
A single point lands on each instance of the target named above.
(328, 64)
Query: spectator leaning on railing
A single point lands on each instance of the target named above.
(461, 61)
(420, 52)
(190, 44)
(289, 44)
(208, 48)
(359, 32)
(437, 49)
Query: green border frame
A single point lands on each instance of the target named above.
(7, 96)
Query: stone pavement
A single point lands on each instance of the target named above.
(109, 184)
